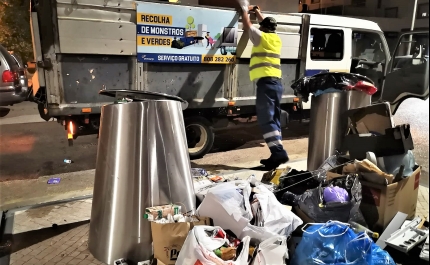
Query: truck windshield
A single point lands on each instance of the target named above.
(368, 46)
(369, 56)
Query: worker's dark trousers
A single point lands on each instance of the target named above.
(269, 94)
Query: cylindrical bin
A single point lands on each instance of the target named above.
(142, 161)
(329, 124)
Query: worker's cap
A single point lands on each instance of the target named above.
(269, 22)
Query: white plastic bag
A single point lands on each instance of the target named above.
(271, 251)
(277, 220)
(231, 210)
(198, 249)
(227, 207)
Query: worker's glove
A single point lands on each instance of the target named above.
(254, 8)
(244, 4)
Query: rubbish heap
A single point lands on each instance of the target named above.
(298, 217)
(357, 208)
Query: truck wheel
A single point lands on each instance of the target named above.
(200, 136)
(223, 51)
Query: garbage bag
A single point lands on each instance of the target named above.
(331, 82)
(229, 207)
(298, 182)
(363, 251)
(199, 248)
(312, 202)
(335, 194)
(271, 251)
(276, 220)
(335, 243)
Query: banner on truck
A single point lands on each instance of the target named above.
(184, 34)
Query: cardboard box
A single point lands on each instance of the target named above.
(395, 141)
(381, 203)
(373, 130)
(168, 239)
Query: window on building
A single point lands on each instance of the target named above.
(423, 10)
(379, 4)
(315, 1)
(358, 3)
(327, 44)
(392, 12)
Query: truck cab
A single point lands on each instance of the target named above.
(83, 47)
(350, 45)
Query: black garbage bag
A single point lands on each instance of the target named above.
(297, 182)
(312, 203)
(332, 82)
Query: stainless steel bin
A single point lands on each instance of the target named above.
(142, 161)
(328, 123)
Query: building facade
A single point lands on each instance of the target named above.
(393, 16)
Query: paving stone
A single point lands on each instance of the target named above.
(70, 246)
(74, 261)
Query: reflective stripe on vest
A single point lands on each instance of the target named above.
(266, 57)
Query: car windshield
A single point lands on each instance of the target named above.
(17, 60)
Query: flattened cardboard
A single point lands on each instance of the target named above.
(374, 119)
(381, 203)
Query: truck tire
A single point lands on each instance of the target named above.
(200, 136)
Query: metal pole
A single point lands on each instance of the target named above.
(414, 14)
(343, 7)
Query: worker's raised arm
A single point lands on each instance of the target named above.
(246, 22)
(254, 33)
(258, 13)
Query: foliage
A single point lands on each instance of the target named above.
(190, 25)
(190, 20)
(15, 28)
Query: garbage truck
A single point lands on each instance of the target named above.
(85, 46)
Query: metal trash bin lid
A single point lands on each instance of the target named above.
(137, 95)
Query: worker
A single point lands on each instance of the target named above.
(265, 71)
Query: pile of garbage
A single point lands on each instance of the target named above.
(252, 222)
(358, 207)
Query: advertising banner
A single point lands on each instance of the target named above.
(183, 34)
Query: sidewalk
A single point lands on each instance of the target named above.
(58, 234)
(21, 193)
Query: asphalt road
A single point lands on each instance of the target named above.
(416, 113)
(30, 148)
(34, 149)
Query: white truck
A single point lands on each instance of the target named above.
(84, 46)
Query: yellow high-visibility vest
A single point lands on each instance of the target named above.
(266, 57)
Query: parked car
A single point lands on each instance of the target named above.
(17, 59)
(14, 81)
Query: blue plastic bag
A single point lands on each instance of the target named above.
(335, 243)
(362, 250)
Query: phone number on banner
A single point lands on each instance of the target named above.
(218, 59)
(185, 58)
(168, 58)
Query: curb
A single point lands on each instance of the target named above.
(31, 203)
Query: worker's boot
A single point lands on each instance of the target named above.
(274, 162)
